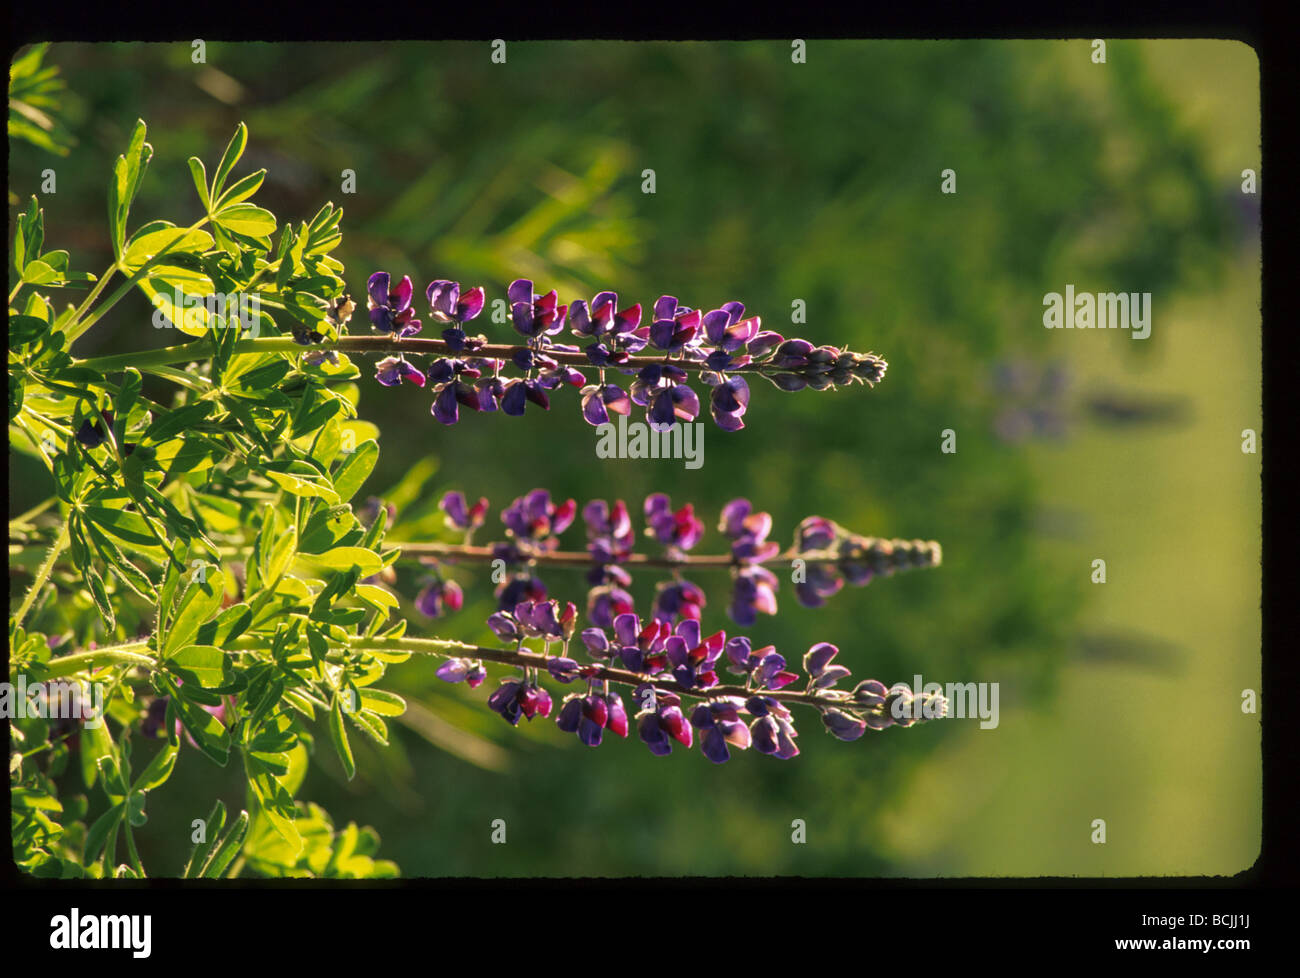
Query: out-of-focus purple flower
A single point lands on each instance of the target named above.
(678, 598)
(391, 371)
(606, 603)
(609, 531)
(753, 593)
(534, 519)
(459, 514)
(519, 587)
(455, 670)
(719, 724)
(679, 529)
(748, 531)
(92, 433)
(535, 315)
(390, 308)
(439, 598)
(155, 719)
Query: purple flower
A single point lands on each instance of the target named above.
(753, 592)
(562, 669)
(725, 330)
(816, 662)
(674, 326)
(728, 402)
(641, 649)
(391, 371)
(461, 516)
(678, 598)
(765, 666)
(605, 604)
(748, 531)
(520, 587)
(91, 433)
(390, 309)
(589, 716)
(609, 531)
(843, 724)
(660, 720)
(449, 306)
(439, 598)
(455, 670)
(772, 732)
(679, 529)
(515, 698)
(535, 315)
(602, 319)
(719, 724)
(693, 658)
(546, 619)
(519, 392)
(599, 400)
(534, 519)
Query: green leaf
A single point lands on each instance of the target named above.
(339, 735)
(135, 812)
(382, 702)
(248, 219)
(200, 602)
(310, 485)
(207, 731)
(234, 150)
(367, 562)
(159, 769)
(212, 826)
(200, 175)
(355, 469)
(203, 664)
(124, 525)
(158, 236)
(230, 846)
(98, 833)
(241, 190)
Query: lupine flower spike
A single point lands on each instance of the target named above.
(624, 359)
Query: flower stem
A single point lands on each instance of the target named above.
(42, 575)
(535, 660)
(127, 654)
(374, 344)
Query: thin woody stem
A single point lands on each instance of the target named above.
(135, 653)
(201, 350)
(462, 553)
(536, 660)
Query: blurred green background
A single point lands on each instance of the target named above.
(779, 181)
